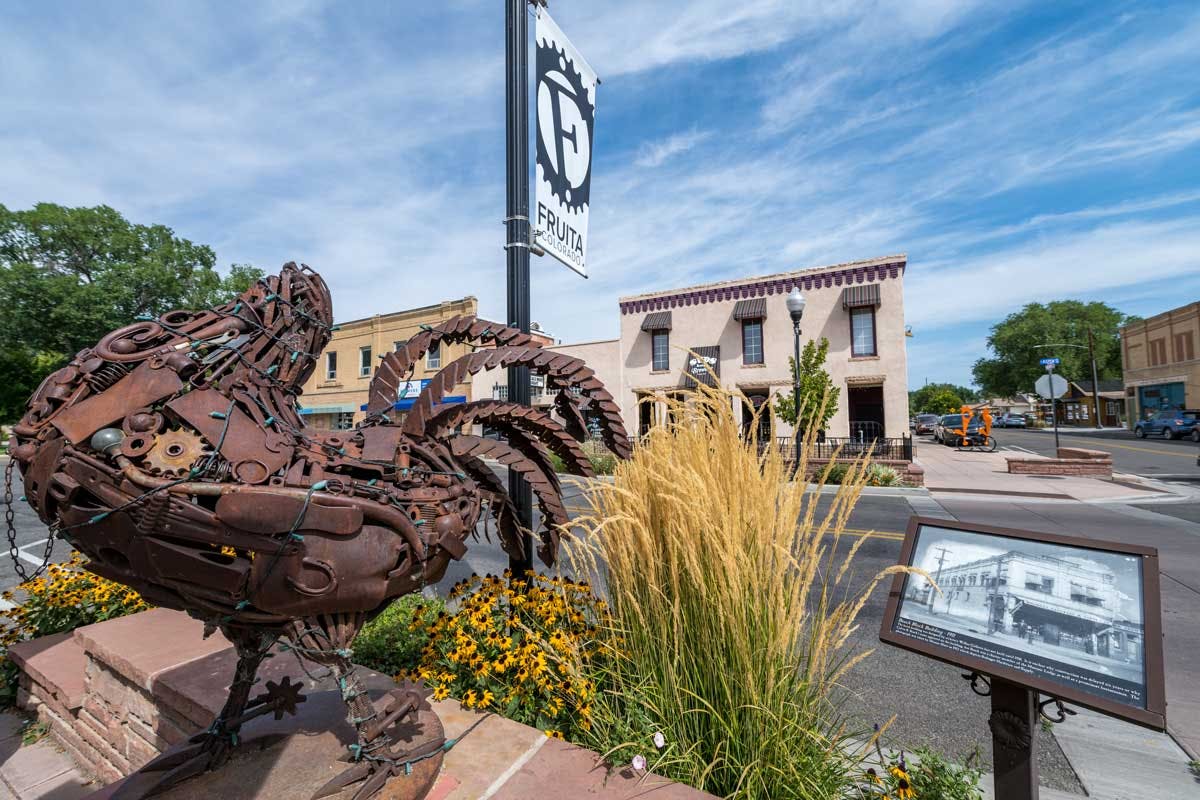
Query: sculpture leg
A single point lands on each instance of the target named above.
(211, 748)
(373, 760)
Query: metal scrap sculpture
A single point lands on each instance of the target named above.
(173, 455)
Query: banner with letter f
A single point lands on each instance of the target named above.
(566, 110)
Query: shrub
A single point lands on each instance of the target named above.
(880, 475)
(835, 473)
(65, 598)
(729, 625)
(390, 643)
(523, 648)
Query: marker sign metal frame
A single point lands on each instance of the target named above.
(1023, 625)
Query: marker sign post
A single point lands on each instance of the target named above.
(566, 112)
(1028, 613)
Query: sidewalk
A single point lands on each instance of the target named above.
(950, 470)
(38, 771)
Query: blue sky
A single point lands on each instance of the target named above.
(1016, 152)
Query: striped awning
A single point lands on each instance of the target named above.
(658, 321)
(754, 308)
(858, 296)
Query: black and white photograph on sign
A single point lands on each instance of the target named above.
(1071, 615)
(566, 109)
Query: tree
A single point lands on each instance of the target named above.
(1014, 366)
(932, 396)
(818, 395)
(70, 275)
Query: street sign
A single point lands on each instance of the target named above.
(1051, 385)
(1050, 362)
(566, 110)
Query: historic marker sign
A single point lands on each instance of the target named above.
(566, 108)
(1072, 618)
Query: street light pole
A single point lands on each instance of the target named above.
(516, 223)
(795, 306)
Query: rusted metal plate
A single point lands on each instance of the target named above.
(234, 434)
(267, 513)
(142, 387)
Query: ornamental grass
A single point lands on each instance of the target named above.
(731, 621)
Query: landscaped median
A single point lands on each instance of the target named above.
(710, 651)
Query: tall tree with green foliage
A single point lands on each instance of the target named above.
(818, 395)
(70, 275)
(931, 397)
(1014, 365)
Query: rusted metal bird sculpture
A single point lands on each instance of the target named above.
(173, 455)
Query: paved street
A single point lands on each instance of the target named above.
(1151, 458)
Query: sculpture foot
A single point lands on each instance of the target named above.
(374, 762)
(375, 768)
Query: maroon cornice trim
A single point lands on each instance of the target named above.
(818, 280)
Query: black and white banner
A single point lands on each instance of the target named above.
(566, 108)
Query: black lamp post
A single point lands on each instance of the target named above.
(795, 307)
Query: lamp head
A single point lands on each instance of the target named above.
(795, 304)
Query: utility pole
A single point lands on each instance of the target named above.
(516, 224)
(1095, 380)
(938, 578)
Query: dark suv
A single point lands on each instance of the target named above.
(1171, 424)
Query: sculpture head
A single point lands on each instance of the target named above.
(293, 309)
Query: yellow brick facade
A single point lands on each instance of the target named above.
(335, 400)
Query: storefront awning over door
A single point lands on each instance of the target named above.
(859, 296)
(342, 409)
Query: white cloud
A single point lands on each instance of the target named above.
(653, 154)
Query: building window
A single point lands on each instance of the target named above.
(752, 341)
(1158, 352)
(364, 362)
(433, 358)
(1185, 349)
(862, 331)
(330, 365)
(661, 343)
(343, 421)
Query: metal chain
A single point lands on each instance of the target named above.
(10, 527)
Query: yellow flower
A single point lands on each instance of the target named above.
(486, 698)
(552, 734)
(441, 693)
(470, 699)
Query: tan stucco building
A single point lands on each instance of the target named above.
(334, 395)
(1160, 364)
(742, 330)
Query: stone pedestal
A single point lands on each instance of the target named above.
(292, 758)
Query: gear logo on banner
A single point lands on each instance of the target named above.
(566, 112)
(565, 118)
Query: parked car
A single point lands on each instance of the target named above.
(925, 423)
(944, 431)
(1170, 425)
(1009, 421)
